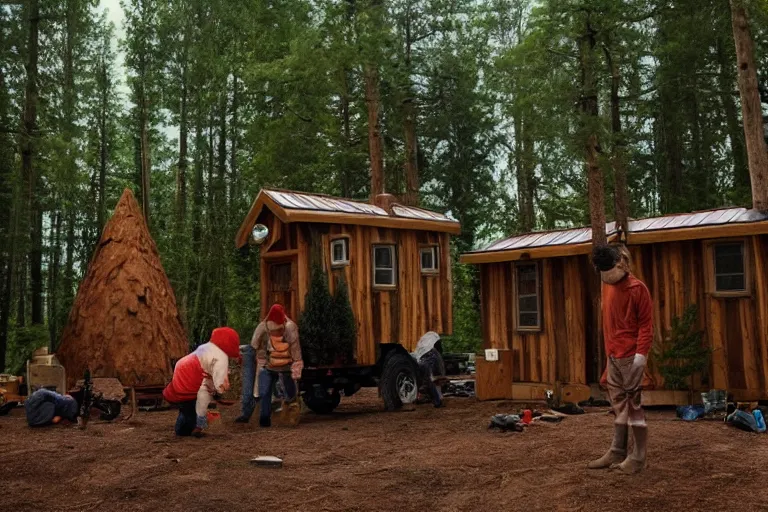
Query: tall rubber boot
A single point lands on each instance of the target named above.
(635, 462)
(616, 453)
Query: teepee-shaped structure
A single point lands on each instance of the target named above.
(124, 322)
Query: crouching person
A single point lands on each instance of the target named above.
(278, 353)
(198, 377)
(45, 407)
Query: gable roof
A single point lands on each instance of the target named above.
(566, 242)
(291, 206)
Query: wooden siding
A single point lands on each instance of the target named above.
(677, 274)
(419, 303)
(557, 352)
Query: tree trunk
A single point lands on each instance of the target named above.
(234, 192)
(53, 287)
(29, 175)
(145, 160)
(103, 144)
(750, 106)
(589, 110)
(727, 79)
(595, 190)
(181, 174)
(375, 143)
(197, 195)
(411, 197)
(408, 106)
(346, 127)
(618, 160)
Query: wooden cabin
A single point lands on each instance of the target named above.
(536, 306)
(395, 260)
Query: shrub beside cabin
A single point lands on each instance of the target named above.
(395, 260)
(536, 306)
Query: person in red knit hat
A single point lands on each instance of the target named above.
(275, 346)
(627, 313)
(198, 377)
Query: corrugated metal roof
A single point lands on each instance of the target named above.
(302, 201)
(668, 222)
(317, 202)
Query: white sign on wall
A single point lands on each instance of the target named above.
(491, 354)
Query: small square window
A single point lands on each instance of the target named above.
(340, 252)
(429, 262)
(730, 267)
(384, 265)
(528, 300)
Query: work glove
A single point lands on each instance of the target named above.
(636, 371)
(202, 422)
(296, 369)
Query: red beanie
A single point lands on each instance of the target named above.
(227, 339)
(276, 314)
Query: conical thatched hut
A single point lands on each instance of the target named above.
(124, 322)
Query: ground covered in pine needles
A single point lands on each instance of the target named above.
(361, 458)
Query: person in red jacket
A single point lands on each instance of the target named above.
(198, 377)
(627, 313)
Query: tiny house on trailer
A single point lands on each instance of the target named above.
(536, 306)
(394, 259)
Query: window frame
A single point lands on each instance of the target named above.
(435, 250)
(345, 243)
(710, 255)
(516, 298)
(393, 249)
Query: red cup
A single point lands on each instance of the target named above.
(527, 416)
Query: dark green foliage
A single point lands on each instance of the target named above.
(315, 325)
(343, 322)
(682, 354)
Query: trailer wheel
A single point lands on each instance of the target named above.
(321, 401)
(399, 384)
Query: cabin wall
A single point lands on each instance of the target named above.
(555, 353)
(677, 274)
(419, 302)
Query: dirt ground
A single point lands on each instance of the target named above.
(361, 458)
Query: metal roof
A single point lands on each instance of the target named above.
(303, 201)
(323, 203)
(665, 223)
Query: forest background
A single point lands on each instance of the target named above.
(481, 109)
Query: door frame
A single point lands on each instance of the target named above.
(279, 259)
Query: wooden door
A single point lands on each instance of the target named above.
(281, 287)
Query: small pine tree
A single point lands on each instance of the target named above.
(314, 333)
(345, 325)
(683, 353)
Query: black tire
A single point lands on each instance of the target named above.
(321, 401)
(110, 409)
(397, 368)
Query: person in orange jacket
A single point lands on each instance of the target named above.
(627, 312)
(198, 377)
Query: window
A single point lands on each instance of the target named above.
(429, 260)
(384, 265)
(340, 252)
(527, 300)
(730, 267)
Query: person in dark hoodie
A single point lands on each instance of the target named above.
(45, 407)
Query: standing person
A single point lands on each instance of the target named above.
(278, 354)
(628, 331)
(198, 377)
